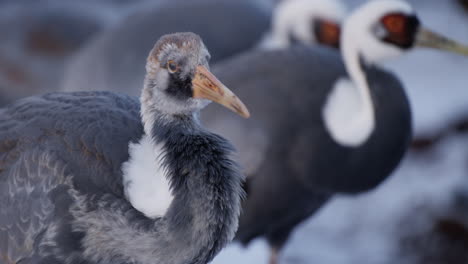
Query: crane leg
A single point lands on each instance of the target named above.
(274, 255)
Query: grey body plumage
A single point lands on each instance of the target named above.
(297, 164)
(63, 199)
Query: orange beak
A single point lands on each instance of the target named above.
(207, 86)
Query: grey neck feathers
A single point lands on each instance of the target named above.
(202, 217)
(156, 103)
(206, 185)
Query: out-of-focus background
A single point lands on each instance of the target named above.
(418, 215)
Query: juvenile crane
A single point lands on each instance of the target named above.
(85, 179)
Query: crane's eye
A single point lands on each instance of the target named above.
(172, 66)
(400, 29)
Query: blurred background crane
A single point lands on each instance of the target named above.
(419, 215)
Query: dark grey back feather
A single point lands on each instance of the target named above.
(53, 146)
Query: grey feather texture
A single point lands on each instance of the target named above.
(25, 193)
(50, 149)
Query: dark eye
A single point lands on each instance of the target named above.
(172, 66)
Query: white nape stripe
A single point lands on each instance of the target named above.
(145, 181)
(347, 119)
(349, 111)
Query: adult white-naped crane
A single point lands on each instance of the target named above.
(321, 124)
(85, 179)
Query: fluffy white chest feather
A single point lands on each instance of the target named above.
(346, 118)
(146, 185)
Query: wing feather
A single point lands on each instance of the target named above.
(26, 208)
(50, 146)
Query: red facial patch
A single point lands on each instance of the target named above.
(394, 23)
(328, 33)
(400, 29)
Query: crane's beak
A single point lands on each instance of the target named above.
(207, 86)
(429, 39)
